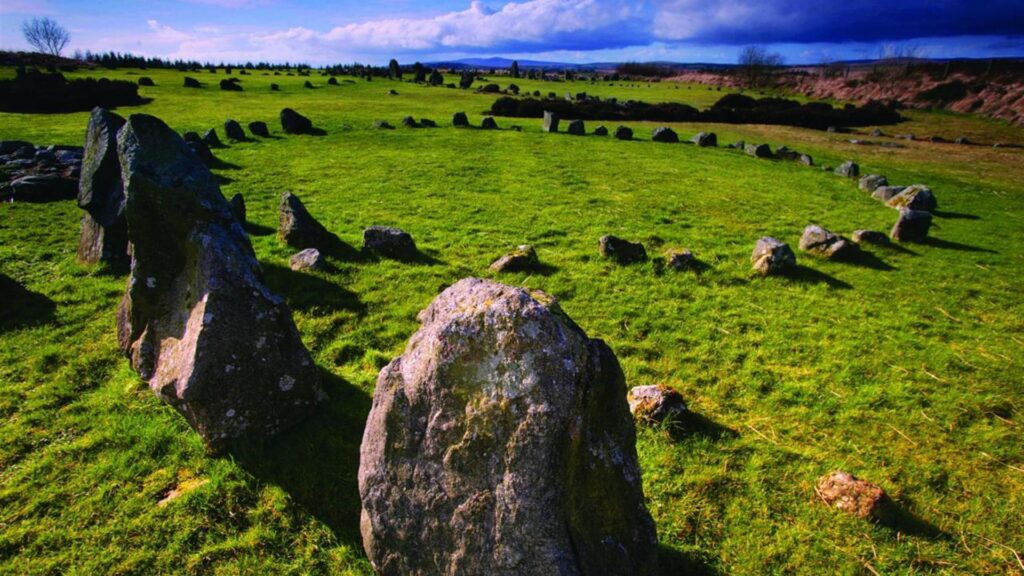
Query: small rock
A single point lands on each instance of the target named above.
(758, 150)
(623, 133)
(146, 81)
(427, 123)
(785, 153)
(877, 133)
(259, 129)
(409, 122)
(622, 251)
(772, 256)
(600, 131)
(963, 141)
(870, 237)
(871, 182)
(523, 258)
(382, 125)
(389, 241)
(664, 134)
(308, 259)
(820, 242)
(191, 82)
(849, 169)
(844, 492)
(211, 139)
(737, 145)
(307, 84)
(655, 403)
(230, 85)
(911, 226)
(705, 139)
(680, 260)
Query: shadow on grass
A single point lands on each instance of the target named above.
(254, 229)
(806, 275)
(691, 423)
(672, 562)
(419, 257)
(305, 291)
(868, 260)
(22, 307)
(899, 518)
(317, 462)
(955, 215)
(950, 245)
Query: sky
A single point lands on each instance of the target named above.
(577, 31)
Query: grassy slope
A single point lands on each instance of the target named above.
(907, 372)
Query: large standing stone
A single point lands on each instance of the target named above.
(916, 197)
(911, 226)
(820, 242)
(294, 123)
(664, 134)
(772, 256)
(550, 122)
(622, 251)
(197, 321)
(297, 227)
(501, 443)
(104, 234)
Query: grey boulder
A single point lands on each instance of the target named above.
(389, 241)
(104, 234)
(820, 242)
(297, 227)
(911, 226)
(772, 256)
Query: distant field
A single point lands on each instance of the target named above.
(908, 372)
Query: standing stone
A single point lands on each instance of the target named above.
(623, 133)
(845, 492)
(820, 242)
(294, 123)
(196, 320)
(237, 204)
(622, 251)
(600, 131)
(705, 139)
(550, 122)
(459, 119)
(104, 234)
(849, 169)
(758, 150)
(576, 128)
(772, 256)
(872, 182)
(664, 134)
(523, 258)
(501, 443)
(297, 227)
(211, 139)
(259, 129)
(436, 79)
(916, 197)
(911, 226)
(489, 123)
(233, 130)
(389, 241)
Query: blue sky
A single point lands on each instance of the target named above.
(323, 32)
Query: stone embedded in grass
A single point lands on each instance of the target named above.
(849, 169)
(758, 150)
(427, 123)
(806, 160)
(705, 139)
(622, 251)
(678, 260)
(259, 129)
(308, 85)
(623, 133)
(845, 492)
(501, 442)
(197, 321)
(655, 403)
(600, 131)
(191, 82)
(382, 125)
(274, 87)
(230, 85)
(916, 197)
(489, 123)
(737, 145)
(886, 193)
(460, 120)
(409, 122)
(772, 256)
(294, 123)
(550, 122)
(45, 187)
(522, 258)
(664, 134)
(297, 227)
(820, 242)
(869, 237)
(233, 130)
(104, 234)
(872, 182)
(576, 128)
(237, 204)
(911, 226)
(308, 259)
(389, 241)
(786, 153)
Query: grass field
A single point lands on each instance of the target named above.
(906, 369)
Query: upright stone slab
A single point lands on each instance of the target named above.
(196, 320)
(576, 128)
(104, 234)
(550, 122)
(297, 227)
(501, 443)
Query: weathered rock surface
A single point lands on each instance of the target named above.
(294, 123)
(820, 242)
(680, 260)
(501, 443)
(233, 130)
(886, 193)
(772, 256)
(806, 160)
(389, 241)
(872, 182)
(550, 122)
(911, 226)
(622, 251)
(297, 227)
(758, 150)
(869, 237)
(576, 128)
(849, 169)
(916, 197)
(104, 233)
(197, 321)
(522, 258)
(845, 492)
(655, 403)
(705, 139)
(308, 259)
(664, 134)
(786, 153)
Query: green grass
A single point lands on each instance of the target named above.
(907, 372)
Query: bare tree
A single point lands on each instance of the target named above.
(895, 63)
(45, 35)
(756, 65)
